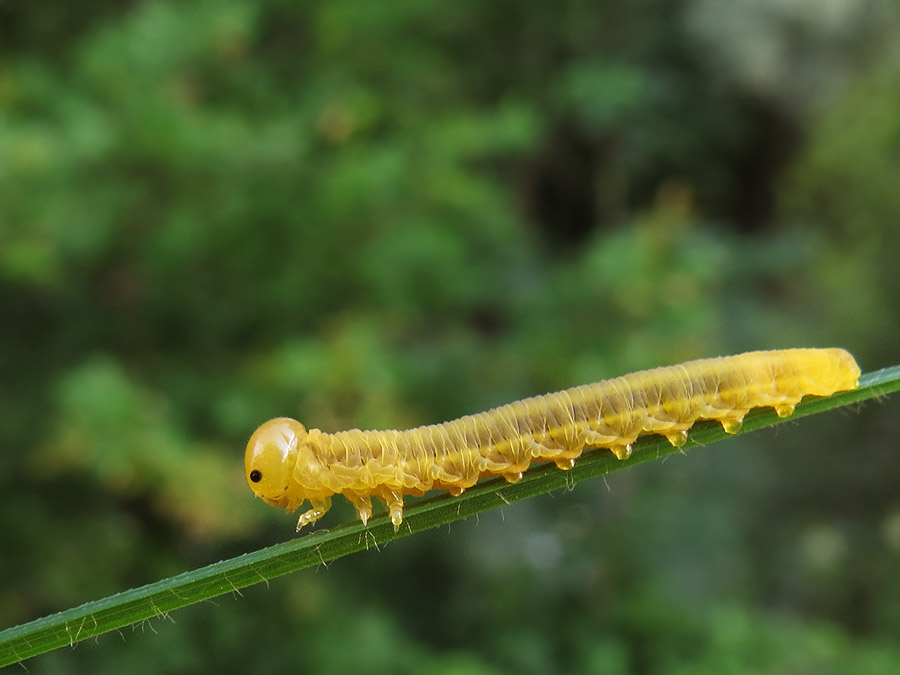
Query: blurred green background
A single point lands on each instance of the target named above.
(394, 213)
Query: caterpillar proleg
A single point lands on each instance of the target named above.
(286, 464)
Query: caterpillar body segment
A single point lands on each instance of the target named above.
(286, 464)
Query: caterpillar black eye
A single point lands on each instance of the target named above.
(255, 476)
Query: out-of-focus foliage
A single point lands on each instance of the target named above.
(387, 214)
(846, 185)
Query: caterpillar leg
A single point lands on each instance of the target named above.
(784, 410)
(594, 439)
(362, 504)
(541, 451)
(319, 508)
(394, 503)
(621, 451)
(732, 425)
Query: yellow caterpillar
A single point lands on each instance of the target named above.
(286, 464)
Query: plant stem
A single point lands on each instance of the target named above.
(160, 598)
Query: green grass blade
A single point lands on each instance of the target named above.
(159, 598)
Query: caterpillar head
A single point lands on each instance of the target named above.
(271, 459)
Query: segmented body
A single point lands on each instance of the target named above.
(286, 464)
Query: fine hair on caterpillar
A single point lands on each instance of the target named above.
(287, 464)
